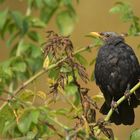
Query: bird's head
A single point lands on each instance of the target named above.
(107, 37)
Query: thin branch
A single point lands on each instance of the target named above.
(3, 99)
(78, 87)
(53, 128)
(126, 34)
(107, 118)
(69, 101)
(43, 71)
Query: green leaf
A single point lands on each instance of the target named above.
(65, 69)
(33, 35)
(24, 123)
(135, 135)
(81, 59)
(52, 3)
(9, 72)
(127, 15)
(115, 9)
(17, 17)
(34, 64)
(121, 7)
(68, 2)
(30, 116)
(1, 1)
(11, 39)
(38, 3)
(36, 22)
(47, 13)
(27, 95)
(20, 21)
(19, 67)
(124, 9)
(98, 42)
(35, 51)
(54, 73)
(3, 17)
(69, 5)
(17, 64)
(134, 27)
(6, 70)
(12, 27)
(66, 22)
(5, 28)
(31, 135)
(34, 115)
(71, 89)
(9, 128)
(28, 49)
(6, 115)
(25, 25)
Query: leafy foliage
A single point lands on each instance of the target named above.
(127, 15)
(18, 27)
(28, 114)
(135, 135)
(20, 32)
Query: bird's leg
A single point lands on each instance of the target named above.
(127, 94)
(113, 106)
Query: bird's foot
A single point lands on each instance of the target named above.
(114, 106)
(127, 94)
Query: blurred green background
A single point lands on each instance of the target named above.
(93, 15)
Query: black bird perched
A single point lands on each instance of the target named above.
(117, 70)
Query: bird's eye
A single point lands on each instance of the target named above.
(101, 33)
(107, 35)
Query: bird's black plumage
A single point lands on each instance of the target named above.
(116, 70)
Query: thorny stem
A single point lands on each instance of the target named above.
(107, 118)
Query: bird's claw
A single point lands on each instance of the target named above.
(114, 106)
(127, 95)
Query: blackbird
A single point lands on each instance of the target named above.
(116, 71)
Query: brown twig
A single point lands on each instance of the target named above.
(52, 128)
(43, 71)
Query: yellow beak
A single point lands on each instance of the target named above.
(95, 34)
